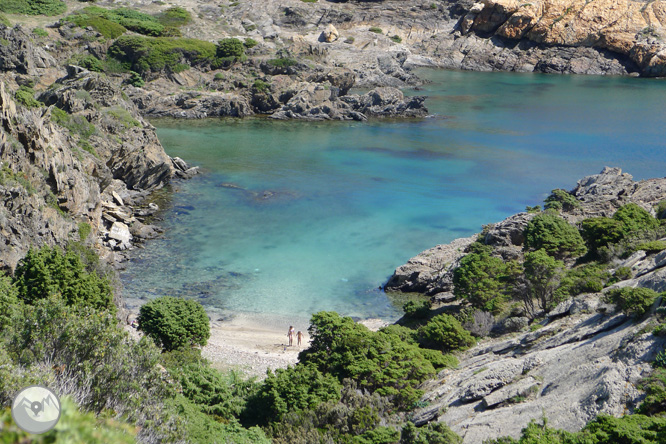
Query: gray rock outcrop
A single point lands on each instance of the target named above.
(571, 370)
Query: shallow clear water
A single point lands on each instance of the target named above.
(324, 212)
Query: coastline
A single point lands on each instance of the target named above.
(250, 343)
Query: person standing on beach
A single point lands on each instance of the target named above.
(299, 337)
(290, 335)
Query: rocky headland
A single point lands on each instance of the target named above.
(571, 363)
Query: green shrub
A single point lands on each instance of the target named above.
(350, 40)
(484, 280)
(542, 274)
(174, 322)
(216, 394)
(660, 209)
(561, 199)
(282, 62)
(444, 332)
(396, 39)
(431, 433)
(41, 32)
(380, 435)
(601, 231)
(123, 116)
(294, 388)
(260, 85)
(108, 28)
(654, 386)
(135, 79)
(175, 17)
(230, 47)
(621, 274)
(380, 361)
(554, 235)
(91, 63)
(633, 301)
(74, 427)
(417, 310)
(4, 20)
(376, 30)
(33, 7)
(143, 54)
(50, 271)
(660, 359)
(250, 43)
(588, 278)
(533, 210)
(651, 247)
(26, 97)
(440, 360)
(84, 230)
(219, 76)
(76, 124)
(635, 219)
(9, 300)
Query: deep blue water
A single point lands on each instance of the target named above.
(326, 211)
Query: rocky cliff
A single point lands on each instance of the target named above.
(73, 166)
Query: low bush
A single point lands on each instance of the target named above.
(135, 79)
(143, 54)
(282, 62)
(651, 247)
(175, 17)
(588, 278)
(260, 85)
(444, 332)
(230, 47)
(76, 124)
(555, 235)
(660, 209)
(484, 280)
(417, 309)
(41, 32)
(376, 30)
(4, 20)
(108, 28)
(50, 271)
(431, 433)
(33, 7)
(561, 199)
(250, 43)
(26, 97)
(629, 223)
(294, 388)
(381, 361)
(654, 386)
(174, 322)
(396, 39)
(621, 274)
(633, 301)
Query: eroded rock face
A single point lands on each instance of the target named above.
(571, 370)
(17, 54)
(66, 163)
(632, 29)
(431, 271)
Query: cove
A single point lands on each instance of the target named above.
(290, 218)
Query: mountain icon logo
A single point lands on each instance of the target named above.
(36, 409)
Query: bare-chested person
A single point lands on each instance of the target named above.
(290, 335)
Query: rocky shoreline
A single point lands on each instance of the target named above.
(579, 360)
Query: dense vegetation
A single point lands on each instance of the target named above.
(33, 7)
(113, 23)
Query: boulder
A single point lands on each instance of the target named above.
(330, 34)
(120, 232)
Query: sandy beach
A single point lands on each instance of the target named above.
(250, 343)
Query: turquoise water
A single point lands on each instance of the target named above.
(290, 218)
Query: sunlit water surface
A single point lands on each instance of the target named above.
(290, 218)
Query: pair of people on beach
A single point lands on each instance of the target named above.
(290, 335)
